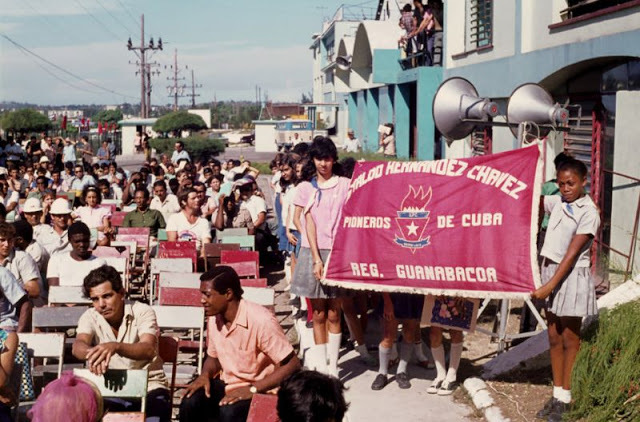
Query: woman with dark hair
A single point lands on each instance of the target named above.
(319, 200)
(286, 183)
(93, 215)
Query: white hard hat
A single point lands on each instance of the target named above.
(60, 206)
(44, 159)
(32, 205)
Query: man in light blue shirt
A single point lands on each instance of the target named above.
(15, 308)
(80, 180)
(179, 153)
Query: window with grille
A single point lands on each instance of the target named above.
(479, 23)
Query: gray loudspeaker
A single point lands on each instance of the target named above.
(457, 109)
(532, 103)
(343, 62)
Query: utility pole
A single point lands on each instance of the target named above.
(175, 90)
(149, 74)
(145, 77)
(193, 94)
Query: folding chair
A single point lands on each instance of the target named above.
(158, 265)
(134, 231)
(128, 384)
(178, 296)
(117, 203)
(168, 351)
(183, 317)
(121, 265)
(179, 250)
(42, 345)
(67, 295)
(242, 231)
(246, 264)
(213, 251)
(162, 235)
(247, 242)
(117, 218)
(110, 207)
(263, 408)
(56, 318)
(265, 297)
(117, 251)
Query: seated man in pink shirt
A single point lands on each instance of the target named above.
(246, 343)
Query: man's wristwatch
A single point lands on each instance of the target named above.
(253, 389)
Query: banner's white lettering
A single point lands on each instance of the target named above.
(366, 222)
(501, 180)
(434, 273)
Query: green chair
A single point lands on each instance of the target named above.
(162, 235)
(247, 242)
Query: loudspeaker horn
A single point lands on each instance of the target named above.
(343, 62)
(457, 109)
(532, 103)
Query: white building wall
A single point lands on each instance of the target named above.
(538, 15)
(625, 191)
(504, 28)
(266, 137)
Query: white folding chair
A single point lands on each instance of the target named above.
(73, 295)
(182, 317)
(128, 383)
(158, 265)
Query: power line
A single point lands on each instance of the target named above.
(64, 70)
(114, 17)
(126, 9)
(58, 77)
(105, 27)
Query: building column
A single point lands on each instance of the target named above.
(428, 83)
(370, 141)
(401, 111)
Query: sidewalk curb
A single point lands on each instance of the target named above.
(482, 400)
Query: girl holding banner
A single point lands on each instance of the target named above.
(320, 201)
(566, 275)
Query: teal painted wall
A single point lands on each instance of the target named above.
(385, 102)
(370, 129)
(401, 108)
(386, 66)
(429, 79)
(362, 116)
(353, 112)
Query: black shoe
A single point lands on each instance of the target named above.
(557, 411)
(546, 409)
(403, 380)
(380, 382)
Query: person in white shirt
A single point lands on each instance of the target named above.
(25, 242)
(70, 268)
(54, 238)
(21, 265)
(8, 197)
(166, 204)
(351, 144)
(187, 225)
(179, 153)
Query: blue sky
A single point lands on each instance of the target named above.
(231, 45)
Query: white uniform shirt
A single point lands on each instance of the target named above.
(168, 207)
(72, 272)
(566, 220)
(51, 240)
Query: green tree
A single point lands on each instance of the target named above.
(25, 121)
(179, 121)
(109, 116)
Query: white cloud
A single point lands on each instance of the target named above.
(230, 73)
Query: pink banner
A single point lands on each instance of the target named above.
(460, 227)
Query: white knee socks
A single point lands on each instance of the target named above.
(438, 357)
(454, 361)
(333, 350)
(384, 354)
(406, 352)
(316, 358)
(561, 394)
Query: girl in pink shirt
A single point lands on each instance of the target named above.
(320, 201)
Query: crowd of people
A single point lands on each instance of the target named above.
(423, 32)
(57, 222)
